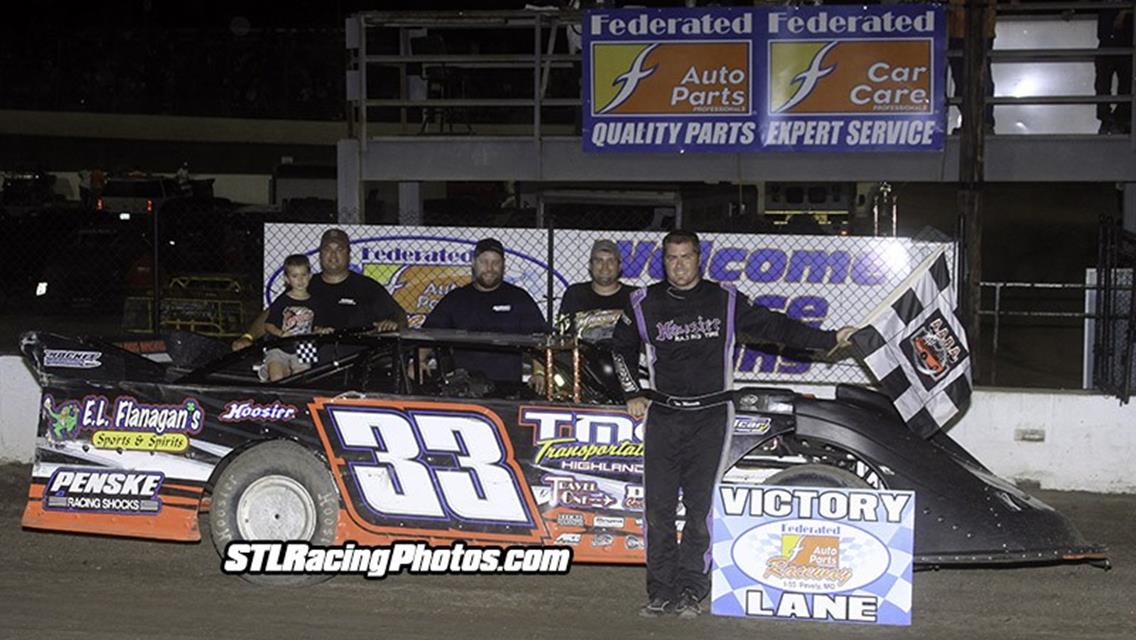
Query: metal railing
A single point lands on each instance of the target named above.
(543, 56)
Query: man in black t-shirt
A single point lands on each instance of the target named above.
(590, 309)
(351, 300)
(488, 304)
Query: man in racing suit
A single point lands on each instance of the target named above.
(688, 327)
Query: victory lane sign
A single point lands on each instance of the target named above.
(801, 553)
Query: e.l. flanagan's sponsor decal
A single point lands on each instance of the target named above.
(116, 425)
(68, 359)
(249, 410)
(104, 491)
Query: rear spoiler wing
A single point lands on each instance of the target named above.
(53, 356)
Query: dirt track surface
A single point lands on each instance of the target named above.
(89, 587)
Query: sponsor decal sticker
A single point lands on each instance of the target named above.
(752, 425)
(634, 497)
(103, 491)
(602, 540)
(570, 519)
(126, 415)
(140, 441)
(608, 522)
(69, 359)
(252, 411)
(568, 538)
(571, 492)
(605, 442)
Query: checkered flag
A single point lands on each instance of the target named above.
(916, 347)
(307, 352)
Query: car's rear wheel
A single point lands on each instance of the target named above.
(275, 491)
(817, 475)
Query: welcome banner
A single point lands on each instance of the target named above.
(828, 78)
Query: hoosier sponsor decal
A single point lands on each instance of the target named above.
(249, 410)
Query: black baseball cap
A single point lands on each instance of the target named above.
(489, 244)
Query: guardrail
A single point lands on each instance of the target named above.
(997, 313)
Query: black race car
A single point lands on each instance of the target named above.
(383, 439)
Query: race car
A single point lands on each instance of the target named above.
(382, 439)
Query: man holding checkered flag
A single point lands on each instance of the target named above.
(915, 345)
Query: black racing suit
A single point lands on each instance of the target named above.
(689, 338)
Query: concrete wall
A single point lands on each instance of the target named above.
(19, 408)
(1068, 440)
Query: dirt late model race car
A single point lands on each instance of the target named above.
(371, 445)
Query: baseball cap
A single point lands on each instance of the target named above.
(488, 244)
(335, 235)
(603, 244)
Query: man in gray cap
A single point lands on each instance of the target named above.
(593, 307)
(351, 300)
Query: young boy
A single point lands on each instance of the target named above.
(294, 313)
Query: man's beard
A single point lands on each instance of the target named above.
(489, 280)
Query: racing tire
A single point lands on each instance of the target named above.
(277, 490)
(817, 475)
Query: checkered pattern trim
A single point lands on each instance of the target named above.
(307, 352)
(916, 347)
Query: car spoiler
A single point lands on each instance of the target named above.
(53, 356)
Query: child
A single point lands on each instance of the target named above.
(294, 313)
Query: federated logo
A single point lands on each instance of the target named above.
(835, 77)
(809, 557)
(934, 349)
(671, 78)
(806, 556)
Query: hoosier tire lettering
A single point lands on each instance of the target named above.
(275, 491)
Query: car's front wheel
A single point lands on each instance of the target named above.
(275, 491)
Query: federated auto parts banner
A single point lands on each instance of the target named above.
(826, 281)
(796, 553)
(826, 78)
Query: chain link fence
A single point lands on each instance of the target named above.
(90, 270)
(826, 281)
(1115, 331)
